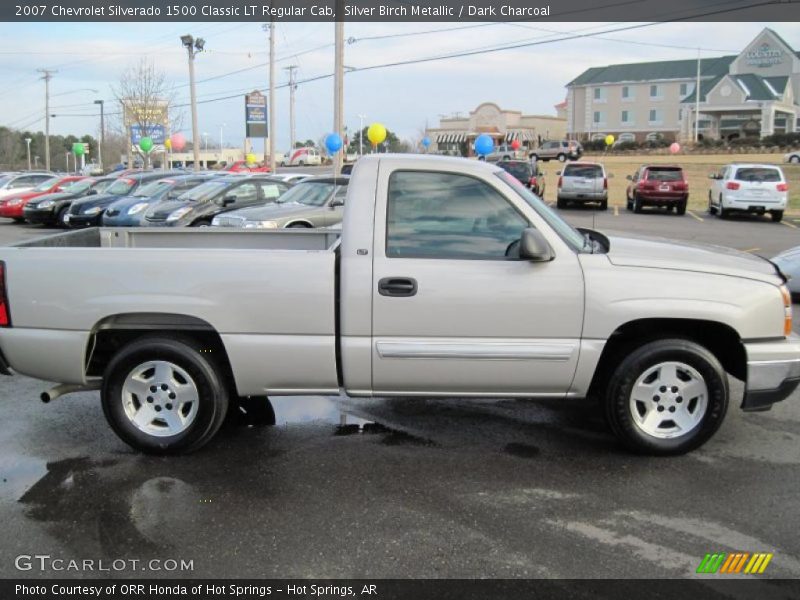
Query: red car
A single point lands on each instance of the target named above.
(241, 166)
(12, 207)
(658, 185)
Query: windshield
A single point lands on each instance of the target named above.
(152, 189)
(759, 174)
(520, 170)
(4, 180)
(102, 185)
(588, 171)
(46, 185)
(309, 193)
(566, 231)
(204, 192)
(120, 186)
(76, 187)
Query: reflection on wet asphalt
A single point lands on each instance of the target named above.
(397, 488)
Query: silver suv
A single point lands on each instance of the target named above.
(502, 152)
(582, 182)
(559, 150)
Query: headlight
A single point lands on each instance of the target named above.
(93, 211)
(14, 202)
(177, 214)
(47, 204)
(137, 208)
(260, 225)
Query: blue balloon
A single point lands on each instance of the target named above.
(333, 143)
(426, 141)
(484, 144)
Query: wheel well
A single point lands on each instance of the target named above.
(114, 332)
(720, 339)
(299, 224)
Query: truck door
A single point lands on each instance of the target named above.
(452, 313)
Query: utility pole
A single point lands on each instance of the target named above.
(193, 47)
(47, 75)
(102, 133)
(697, 101)
(338, 88)
(28, 144)
(361, 134)
(271, 107)
(292, 87)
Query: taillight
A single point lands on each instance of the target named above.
(787, 311)
(783, 187)
(560, 181)
(605, 183)
(5, 318)
(532, 182)
(732, 185)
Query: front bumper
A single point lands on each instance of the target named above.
(12, 211)
(79, 221)
(773, 372)
(39, 216)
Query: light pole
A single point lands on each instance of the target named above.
(36, 161)
(361, 134)
(271, 130)
(47, 75)
(28, 144)
(192, 48)
(292, 88)
(66, 160)
(102, 134)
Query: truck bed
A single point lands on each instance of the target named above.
(270, 296)
(206, 237)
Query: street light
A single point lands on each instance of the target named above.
(28, 144)
(361, 134)
(193, 46)
(102, 134)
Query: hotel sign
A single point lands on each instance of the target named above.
(764, 56)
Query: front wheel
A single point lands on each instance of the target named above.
(794, 159)
(667, 397)
(61, 217)
(164, 396)
(562, 158)
(637, 204)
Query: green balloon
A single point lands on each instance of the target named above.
(146, 144)
(78, 149)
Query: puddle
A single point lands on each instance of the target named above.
(295, 410)
(18, 474)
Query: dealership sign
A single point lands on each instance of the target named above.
(255, 114)
(157, 133)
(764, 56)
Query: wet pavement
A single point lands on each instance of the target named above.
(396, 488)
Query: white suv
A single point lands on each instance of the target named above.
(748, 188)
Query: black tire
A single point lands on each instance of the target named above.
(634, 365)
(604, 205)
(299, 226)
(506, 157)
(204, 373)
(201, 223)
(628, 203)
(680, 208)
(302, 163)
(562, 158)
(61, 216)
(19, 220)
(561, 203)
(712, 210)
(637, 203)
(777, 215)
(794, 159)
(254, 411)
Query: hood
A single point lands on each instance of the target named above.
(162, 209)
(126, 202)
(274, 210)
(55, 197)
(96, 200)
(789, 262)
(658, 253)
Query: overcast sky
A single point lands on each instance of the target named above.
(404, 98)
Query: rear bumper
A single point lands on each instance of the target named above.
(651, 200)
(579, 195)
(734, 202)
(773, 372)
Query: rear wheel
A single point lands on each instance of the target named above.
(164, 396)
(61, 217)
(667, 397)
(561, 203)
(604, 205)
(562, 157)
(777, 215)
(712, 210)
(637, 204)
(680, 208)
(794, 159)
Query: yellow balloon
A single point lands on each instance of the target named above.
(376, 133)
(609, 139)
(250, 158)
(168, 144)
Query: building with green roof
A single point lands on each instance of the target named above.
(749, 94)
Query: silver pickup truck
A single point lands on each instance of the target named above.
(450, 279)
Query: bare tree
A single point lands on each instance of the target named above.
(147, 100)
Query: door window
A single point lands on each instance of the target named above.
(271, 189)
(245, 193)
(443, 215)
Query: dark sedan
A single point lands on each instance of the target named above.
(52, 209)
(129, 211)
(88, 212)
(199, 206)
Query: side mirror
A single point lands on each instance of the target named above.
(336, 202)
(230, 199)
(558, 172)
(534, 247)
(629, 178)
(91, 192)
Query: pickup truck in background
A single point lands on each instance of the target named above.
(450, 278)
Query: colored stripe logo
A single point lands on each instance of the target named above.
(735, 563)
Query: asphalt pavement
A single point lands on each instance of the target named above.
(407, 488)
